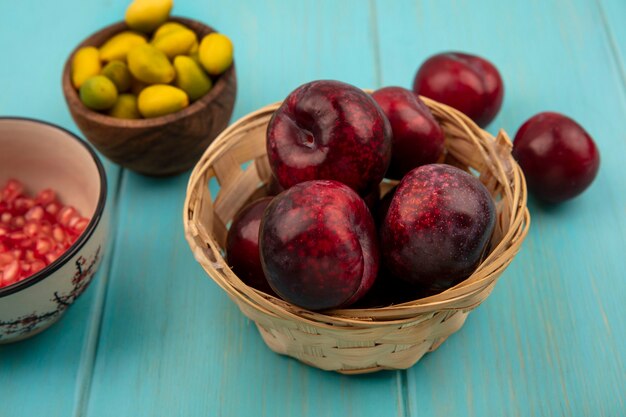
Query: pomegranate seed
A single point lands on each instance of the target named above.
(10, 273)
(66, 214)
(46, 228)
(18, 222)
(53, 208)
(46, 196)
(16, 236)
(29, 255)
(36, 266)
(12, 190)
(35, 213)
(81, 225)
(58, 234)
(23, 204)
(34, 232)
(51, 257)
(32, 228)
(25, 243)
(43, 246)
(73, 222)
(6, 258)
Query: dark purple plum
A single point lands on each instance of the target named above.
(389, 289)
(372, 199)
(417, 137)
(383, 206)
(318, 245)
(329, 130)
(242, 245)
(466, 82)
(558, 157)
(438, 226)
(273, 187)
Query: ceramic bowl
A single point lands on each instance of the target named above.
(41, 155)
(158, 146)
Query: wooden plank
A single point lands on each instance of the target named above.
(550, 339)
(46, 375)
(613, 13)
(172, 343)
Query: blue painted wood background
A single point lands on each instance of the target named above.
(154, 336)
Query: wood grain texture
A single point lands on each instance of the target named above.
(549, 341)
(164, 145)
(613, 13)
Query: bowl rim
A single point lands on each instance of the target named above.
(89, 230)
(73, 99)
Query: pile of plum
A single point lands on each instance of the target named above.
(327, 239)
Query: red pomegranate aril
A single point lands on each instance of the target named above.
(72, 223)
(53, 208)
(16, 237)
(66, 214)
(37, 265)
(81, 225)
(34, 232)
(18, 222)
(6, 258)
(43, 246)
(58, 234)
(25, 243)
(53, 256)
(23, 204)
(12, 190)
(46, 228)
(6, 217)
(10, 273)
(35, 213)
(45, 196)
(31, 228)
(29, 255)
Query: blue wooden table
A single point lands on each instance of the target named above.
(154, 336)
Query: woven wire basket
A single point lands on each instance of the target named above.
(363, 340)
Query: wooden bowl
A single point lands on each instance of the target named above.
(157, 146)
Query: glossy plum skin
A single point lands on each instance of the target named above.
(318, 245)
(437, 227)
(466, 82)
(242, 245)
(558, 157)
(417, 137)
(329, 130)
